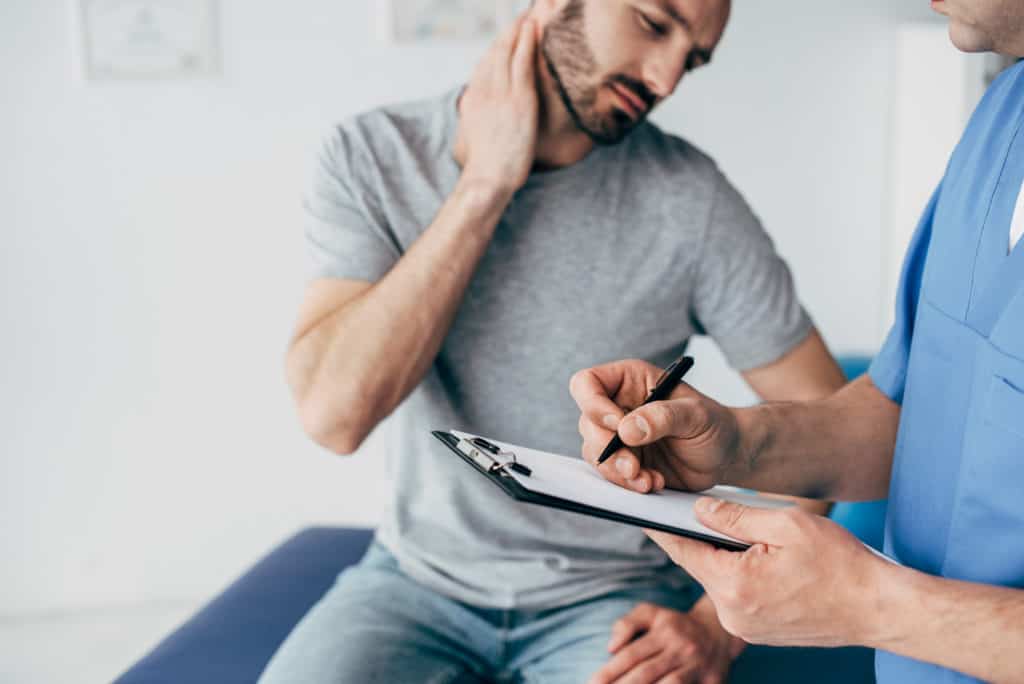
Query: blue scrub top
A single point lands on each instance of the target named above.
(954, 360)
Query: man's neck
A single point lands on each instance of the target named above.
(560, 142)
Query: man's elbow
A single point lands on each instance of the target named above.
(333, 422)
(340, 432)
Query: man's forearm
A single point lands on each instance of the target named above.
(976, 629)
(368, 356)
(836, 448)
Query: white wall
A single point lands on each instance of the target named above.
(152, 263)
(929, 78)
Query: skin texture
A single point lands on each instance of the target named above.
(985, 25)
(541, 98)
(805, 581)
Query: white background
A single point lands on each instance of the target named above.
(151, 265)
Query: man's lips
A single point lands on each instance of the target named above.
(635, 105)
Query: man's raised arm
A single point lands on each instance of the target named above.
(359, 348)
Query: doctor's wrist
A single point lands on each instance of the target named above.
(751, 440)
(884, 612)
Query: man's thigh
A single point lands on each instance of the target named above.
(567, 646)
(377, 625)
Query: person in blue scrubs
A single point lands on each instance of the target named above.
(938, 426)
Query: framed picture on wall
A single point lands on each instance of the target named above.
(406, 21)
(148, 39)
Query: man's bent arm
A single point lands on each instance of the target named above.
(359, 360)
(351, 367)
(838, 448)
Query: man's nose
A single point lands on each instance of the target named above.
(663, 73)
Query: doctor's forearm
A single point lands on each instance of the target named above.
(837, 448)
(976, 629)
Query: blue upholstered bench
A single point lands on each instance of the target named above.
(232, 638)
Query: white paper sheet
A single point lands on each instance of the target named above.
(575, 480)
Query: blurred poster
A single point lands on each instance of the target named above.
(148, 38)
(431, 20)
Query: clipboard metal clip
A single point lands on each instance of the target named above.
(490, 457)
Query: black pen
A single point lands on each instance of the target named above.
(666, 383)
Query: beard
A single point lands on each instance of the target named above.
(573, 67)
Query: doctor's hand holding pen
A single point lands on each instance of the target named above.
(687, 442)
(804, 580)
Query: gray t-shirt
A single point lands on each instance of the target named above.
(626, 254)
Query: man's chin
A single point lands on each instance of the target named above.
(969, 39)
(613, 132)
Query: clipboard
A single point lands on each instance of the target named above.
(570, 484)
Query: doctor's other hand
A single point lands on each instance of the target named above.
(498, 112)
(653, 644)
(687, 441)
(804, 581)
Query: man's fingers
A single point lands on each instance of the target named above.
(663, 666)
(507, 39)
(626, 661)
(751, 525)
(630, 625)
(524, 57)
(494, 67)
(681, 418)
(622, 634)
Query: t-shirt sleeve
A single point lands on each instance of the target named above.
(347, 235)
(889, 369)
(745, 298)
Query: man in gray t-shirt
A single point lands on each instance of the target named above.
(471, 252)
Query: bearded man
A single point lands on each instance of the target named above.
(471, 251)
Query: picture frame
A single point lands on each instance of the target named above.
(413, 21)
(148, 39)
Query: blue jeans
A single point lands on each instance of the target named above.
(377, 625)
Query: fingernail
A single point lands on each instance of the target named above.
(642, 426)
(622, 467)
(611, 422)
(708, 505)
(640, 483)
